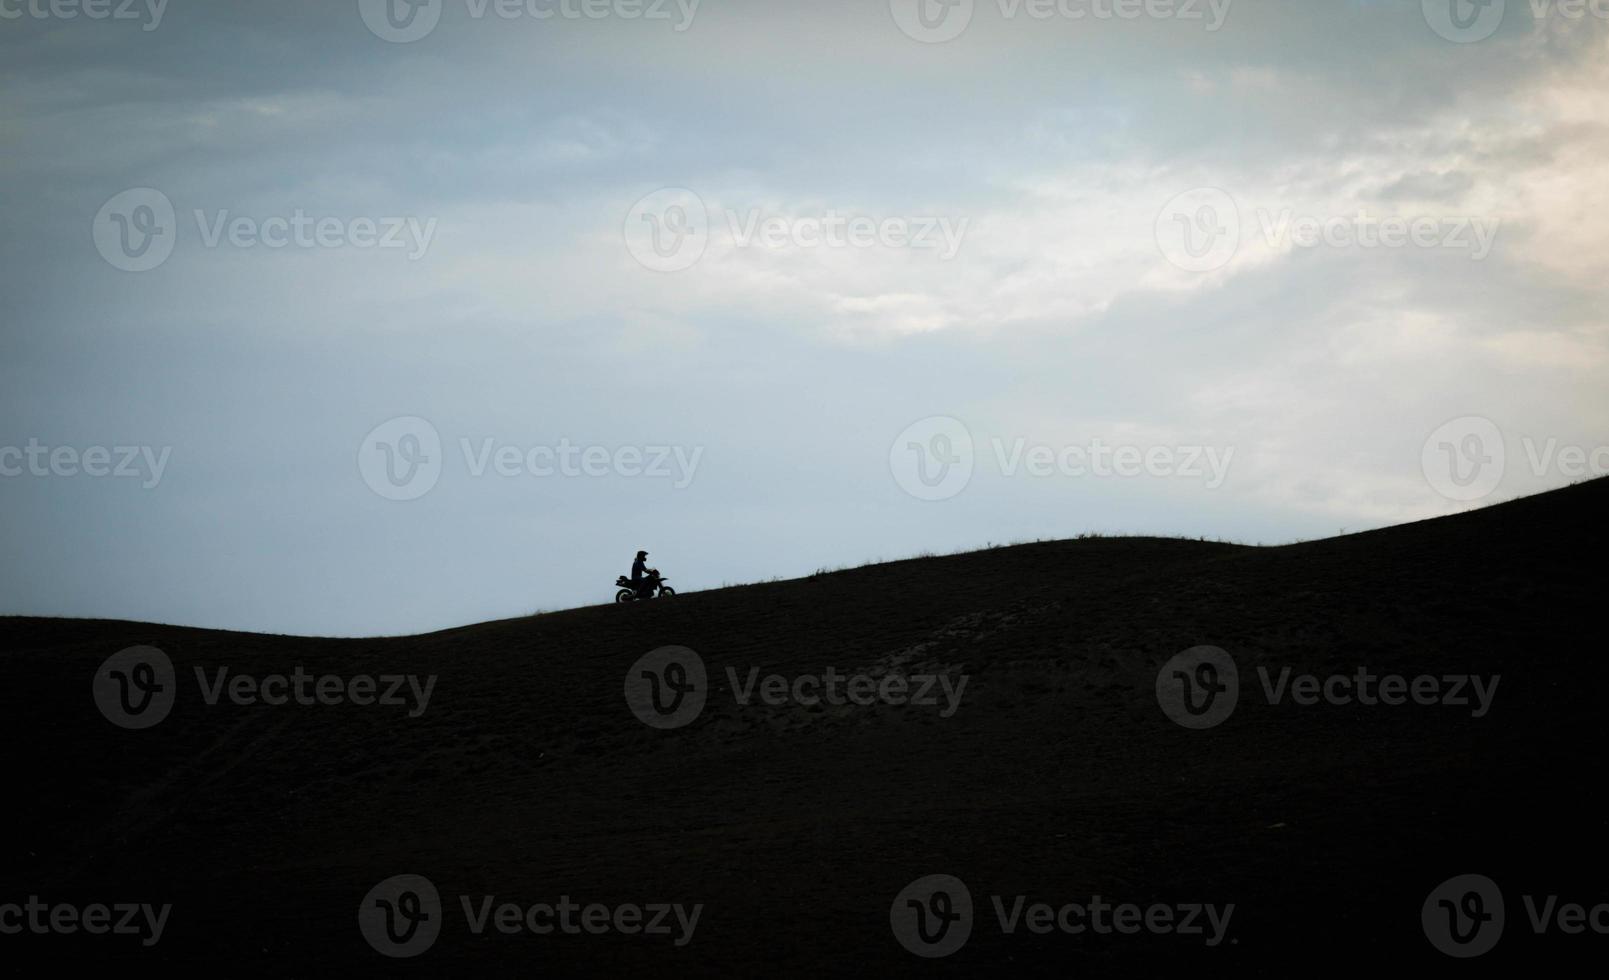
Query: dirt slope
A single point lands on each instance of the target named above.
(1058, 777)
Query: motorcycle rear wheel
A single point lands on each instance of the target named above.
(625, 595)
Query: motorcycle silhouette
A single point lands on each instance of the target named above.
(652, 587)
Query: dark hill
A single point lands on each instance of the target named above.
(1058, 777)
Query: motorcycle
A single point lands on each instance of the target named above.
(652, 587)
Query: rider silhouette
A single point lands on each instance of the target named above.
(638, 567)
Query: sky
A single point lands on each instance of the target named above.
(373, 317)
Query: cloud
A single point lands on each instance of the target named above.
(1055, 144)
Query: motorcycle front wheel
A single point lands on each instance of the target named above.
(625, 595)
(666, 592)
